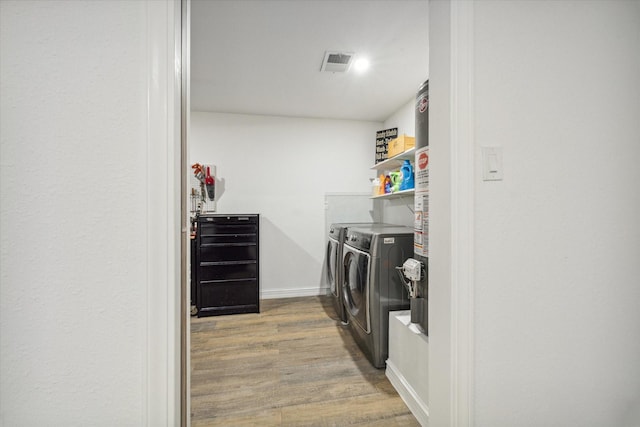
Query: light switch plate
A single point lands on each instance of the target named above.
(492, 169)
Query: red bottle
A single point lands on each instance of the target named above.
(210, 183)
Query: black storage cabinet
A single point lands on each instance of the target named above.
(227, 277)
(194, 273)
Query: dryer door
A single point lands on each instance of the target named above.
(332, 266)
(356, 286)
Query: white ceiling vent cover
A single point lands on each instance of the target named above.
(336, 62)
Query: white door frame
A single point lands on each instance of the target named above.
(163, 311)
(184, 54)
(462, 213)
(451, 262)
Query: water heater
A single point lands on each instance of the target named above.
(421, 206)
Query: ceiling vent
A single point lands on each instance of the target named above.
(336, 62)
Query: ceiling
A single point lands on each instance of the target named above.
(264, 56)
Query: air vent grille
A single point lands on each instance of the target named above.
(336, 62)
(338, 58)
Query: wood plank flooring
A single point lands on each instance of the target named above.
(291, 365)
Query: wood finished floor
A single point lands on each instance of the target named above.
(291, 365)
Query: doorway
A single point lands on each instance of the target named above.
(246, 36)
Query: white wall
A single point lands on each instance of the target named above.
(400, 210)
(555, 327)
(404, 118)
(440, 360)
(408, 363)
(282, 168)
(558, 241)
(74, 220)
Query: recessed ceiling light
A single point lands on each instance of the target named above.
(361, 65)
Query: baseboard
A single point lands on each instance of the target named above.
(418, 408)
(291, 293)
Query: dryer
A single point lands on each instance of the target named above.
(333, 263)
(372, 287)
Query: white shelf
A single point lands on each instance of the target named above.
(395, 161)
(394, 195)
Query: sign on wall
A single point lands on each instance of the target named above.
(382, 143)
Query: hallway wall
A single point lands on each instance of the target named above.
(555, 331)
(78, 343)
(558, 240)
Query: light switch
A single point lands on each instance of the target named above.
(492, 163)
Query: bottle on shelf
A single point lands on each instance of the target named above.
(406, 171)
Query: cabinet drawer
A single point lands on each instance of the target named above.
(209, 271)
(228, 219)
(212, 229)
(216, 252)
(225, 293)
(208, 239)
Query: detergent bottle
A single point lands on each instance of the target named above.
(396, 180)
(407, 176)
(375, 187)
(381, 189)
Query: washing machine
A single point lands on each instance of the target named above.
(333, 262)
(371, 285)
